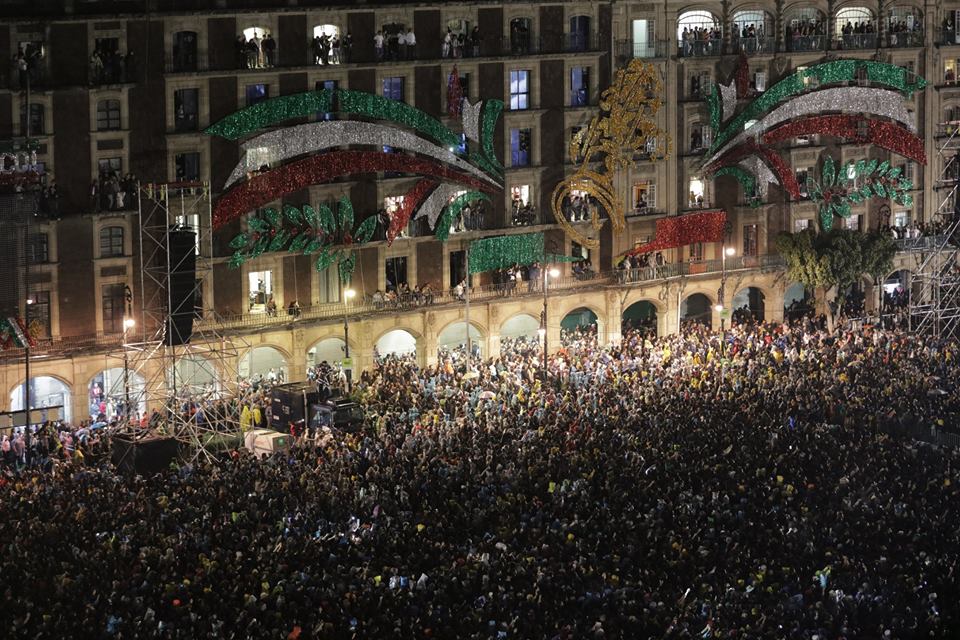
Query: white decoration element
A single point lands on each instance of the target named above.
(728, 96)
(470, 118)
(879, 102)
(764, 176)
(436, 201)
(291, 142)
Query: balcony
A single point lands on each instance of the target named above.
(756, 45)
(926, 243)
(799, 43)
(701, 48)
(948, 37)
(904, 39)
(854, 41)
(187, 62)
(627, 49)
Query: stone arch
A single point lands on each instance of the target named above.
(578, 319)
(392, 342)
(752, 29)
(194, 374)
(797, 302)
(261, 358)
(804, 27)
(697, 307)
(693, 19)
(108, 388)
(519, 324)
(453, 337)
(48, 391)
(748, 304)
(330, 349)
(852, 14)
(641, 315)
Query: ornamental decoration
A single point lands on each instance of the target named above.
(678, 231)
(501, 252)
(306, 231)
(862, 101)
(852, 183)
(407, 140)
(14, 334)
(625, 128)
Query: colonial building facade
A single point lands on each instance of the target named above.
(118, 93)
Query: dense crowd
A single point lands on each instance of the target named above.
(735, 485)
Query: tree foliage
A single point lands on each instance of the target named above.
(835, 259)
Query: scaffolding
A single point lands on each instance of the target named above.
(190, 380)
(935, 282)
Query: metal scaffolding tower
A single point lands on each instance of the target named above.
(935, 282)
(190, 379)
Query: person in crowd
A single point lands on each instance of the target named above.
(754, 483)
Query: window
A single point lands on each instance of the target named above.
(326, 85)
(852, 172)
(260, 288)
(185, 109)
(520, 193)
(188, 166)
(697, 193)
(396, 272)
(852, 223)
(393, 88)
(109, 166)
(111, 242)
(329, 286)
(760, 81)
(326, 44)
(700, 85)
(39, 248)
(112, 299)
(185, 51)
(802, 182)
(259, 159)
(578, 251)
(519, 90)
(519, 147)
(750, 240)
(580, 86)
(40, 314)
(458, 267)
(36, 120)
(901, 218)
(257, 93)
(802, 223)
(701, 135)
(108, 115)
(644, 196)
(696, 252)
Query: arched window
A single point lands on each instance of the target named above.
(905, 27)
(111, 242)
(108, 115)
(854, 28)
(804, 30)
(259, 48)
(749, 32)
(698, 34)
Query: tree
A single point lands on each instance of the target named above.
(835, 260)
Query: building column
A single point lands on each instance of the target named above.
(297, 369)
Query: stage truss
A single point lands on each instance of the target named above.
(935, 283)
(201, 374)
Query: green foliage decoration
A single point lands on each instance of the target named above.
(842, 186)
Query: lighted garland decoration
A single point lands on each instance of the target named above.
(743, 177)
(268, 112)
(836, 192)
(306, 231)
(678, 231)
(501, 252)
(14, 334)
(856, 128)
(453, 210)
(625, 128)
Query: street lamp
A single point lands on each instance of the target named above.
(348, 294)
(721, 294)
(128, 323)
(542, 331)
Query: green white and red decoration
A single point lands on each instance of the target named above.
(400, 139)
(14, 334)
(679, 231)
(860, 101)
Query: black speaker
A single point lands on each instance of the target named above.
(182, 285)
(146, 457)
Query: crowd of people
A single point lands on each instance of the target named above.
(113, 192)
(27, 66)
(111, 67)
(699, 40)
(259, 51)
(703, 484)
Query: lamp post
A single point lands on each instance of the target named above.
(128, 323)
(348, 295)
(721, 294)
(547, 274)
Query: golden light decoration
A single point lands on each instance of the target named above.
(624, 128)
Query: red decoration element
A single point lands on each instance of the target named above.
(742, 76)
(411, 201)
(769, 156)
(703, 226)
(324, 167)
(454, 94)
(859, 128)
